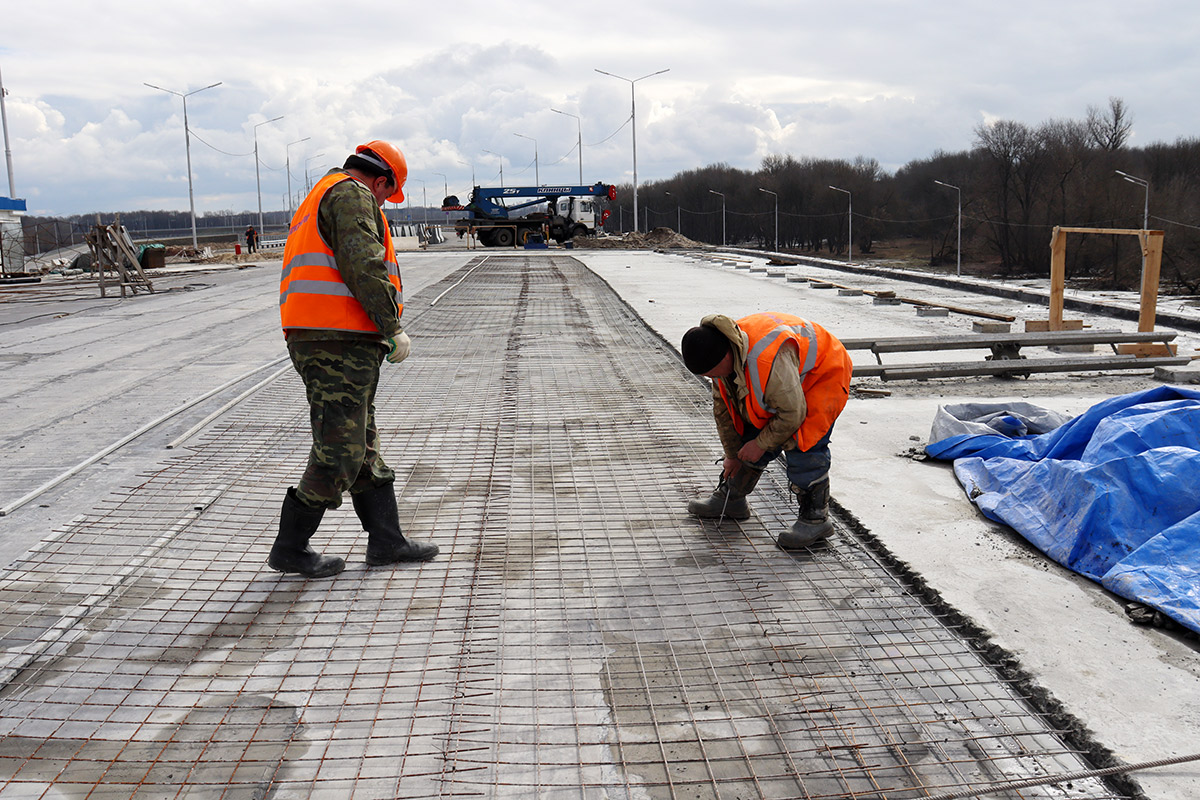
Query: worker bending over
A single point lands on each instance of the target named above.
(778, 384)
(340, 301)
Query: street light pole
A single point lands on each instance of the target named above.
(768, 191)
(537, 179)
(187, 146)
(12, 186)
(849, 224)
(678, 214)
(579, 144)
(288, 169)
(1145, 184)
(446, 192)
(472, 166)
(497, 155)
(958, 270)
(710, 191)
(633, 127)
(257, 179)
(307, 183)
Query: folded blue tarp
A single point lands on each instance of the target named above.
(1113, 494)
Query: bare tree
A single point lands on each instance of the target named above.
(1109, 128)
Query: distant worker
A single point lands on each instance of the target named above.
(251, 239)
(778, 384)
(340, 301)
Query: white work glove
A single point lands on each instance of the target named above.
(398, 346)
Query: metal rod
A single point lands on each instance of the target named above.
(117, 445)
(1070, 776)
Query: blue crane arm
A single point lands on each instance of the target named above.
(483, 200)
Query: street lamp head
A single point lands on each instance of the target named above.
(1132, 178)
(268, 122)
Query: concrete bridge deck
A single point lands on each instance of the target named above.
(579, 637)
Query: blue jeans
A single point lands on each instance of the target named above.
(804, 467)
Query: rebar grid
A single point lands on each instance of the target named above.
(579, 637)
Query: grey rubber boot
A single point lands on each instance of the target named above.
(812, 525)
(291, 553)
(735, 489)
(380, 518)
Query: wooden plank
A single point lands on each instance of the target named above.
(959, 369)
(1111, 231)
(1058, 277)
(970, 312)
(1152, 250)
(1147, 349)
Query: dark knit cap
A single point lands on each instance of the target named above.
(703, 348)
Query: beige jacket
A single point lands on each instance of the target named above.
(783, 392)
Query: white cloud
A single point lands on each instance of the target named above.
(877, 78)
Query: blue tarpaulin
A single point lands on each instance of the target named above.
(1113, 494)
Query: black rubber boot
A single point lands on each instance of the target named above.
(812, 525)
(380, 518)
(729, 495)
(291, 553)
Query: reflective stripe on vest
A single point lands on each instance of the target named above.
(312, 294)
(825, 370)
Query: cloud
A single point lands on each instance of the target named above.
(885, 80)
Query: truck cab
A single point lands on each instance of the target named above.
(581, 215)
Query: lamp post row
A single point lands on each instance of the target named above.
(537, 177)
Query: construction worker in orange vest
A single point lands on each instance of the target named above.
(778, 385)
(340, 301)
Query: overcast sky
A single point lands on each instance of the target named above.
(894, 81)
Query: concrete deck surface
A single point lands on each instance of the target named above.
(580, 636)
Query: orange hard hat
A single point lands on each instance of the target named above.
(390, 157)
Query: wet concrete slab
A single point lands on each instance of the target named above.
(579, 636)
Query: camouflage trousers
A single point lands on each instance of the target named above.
(340, 378)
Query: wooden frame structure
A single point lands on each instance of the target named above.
(113, 249)
(1152, 250)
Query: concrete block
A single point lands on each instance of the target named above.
(1072, 348)
(885, 301)
(850, 292)
(741, 266)
(932, 311)
(796, 279)
(991, 327)
(1183, 374)
(820, 285)
(758, 269)
(776, 274)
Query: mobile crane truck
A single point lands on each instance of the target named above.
(572, 211)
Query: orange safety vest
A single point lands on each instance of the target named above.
(312, 294)
(825, 369)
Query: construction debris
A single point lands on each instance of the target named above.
(659, 238)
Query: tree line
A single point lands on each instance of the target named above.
(1017, 182)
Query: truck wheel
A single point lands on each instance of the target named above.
(484, 235)
(502, 237)
(523, 236)
(579, 231)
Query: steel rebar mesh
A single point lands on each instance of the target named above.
(580, 635)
